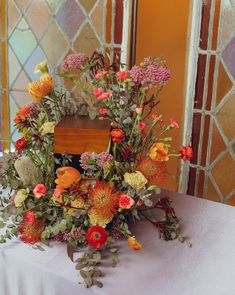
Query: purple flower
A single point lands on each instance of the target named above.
(137, 74)
(155, 74)
(74, 61)
(86, 160)
(103, 158)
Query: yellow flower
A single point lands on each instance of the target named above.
(135, 180)
(41, 67)
(21, 196)
(47, 128)
(134, 244)
(42, 87)
(78, 203)
(159, 152)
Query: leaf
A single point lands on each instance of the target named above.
(98, 283)
(84, 274)
(70, 251)
(66, 75)
(2, 224)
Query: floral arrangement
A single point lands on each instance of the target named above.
(93, 209)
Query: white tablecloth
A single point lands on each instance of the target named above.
(160, 268)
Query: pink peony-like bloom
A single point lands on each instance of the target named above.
(39, 191)
(74, 61)
(105, 95)
(58, 192)
(125, 201)
(174, 123)
(141, 125)
(122, 75)
(103, 111)
(97, 91)
(100, 74)
(139, 110)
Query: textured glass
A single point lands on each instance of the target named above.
(87, 40)
(38, 26)
(97, 18)
(13, 66)
(211, 192)
(198, 100)
(216, 24)
(37, 57)
(191, 183)
(23, 41)
(196, 136)
(88, 4)
(224, 84)
(118, 22)
(23, 3)
(205, 140)
(229, 56)
(13, 15)
(224, 174)
(206, 8)
(54, 53)
(55, 4)
(226, 117)
(218, 145)
(22, 98)
(70, 17)
(210, 83)
(227, 22)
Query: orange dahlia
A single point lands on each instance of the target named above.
(30, 228)
(154, 171)
(104, 201)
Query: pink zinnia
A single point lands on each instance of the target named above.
(105, 95)
(39, 191)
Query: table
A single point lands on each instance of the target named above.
(160, 268)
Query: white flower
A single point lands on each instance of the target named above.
(21, 196)
(47, 128)
(41, 67)
(135, 180)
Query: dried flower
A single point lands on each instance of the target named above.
(96, 236)
(136, 180)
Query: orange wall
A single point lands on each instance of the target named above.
(162, 30)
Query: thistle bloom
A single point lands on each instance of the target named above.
(186, 152)
(39, 191)
(67, 176)
(42, 87)
(96, 236)
(134, 244)
(159, 152)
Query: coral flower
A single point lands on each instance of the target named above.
(126, 202)
(122, 75)
(141, 125)
(134, 244)
(174, 123)
(22, 115)
(39, 191)
(103, 200)
(103, 111)
(117, 135)
(186, 152)
(30, 228)
(66, 177)
(42, 87)
(159, 152)
(154, 171)
(96, 236)
(104, 95)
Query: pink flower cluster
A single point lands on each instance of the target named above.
(74, 61)
(103, 158)
(151, 73)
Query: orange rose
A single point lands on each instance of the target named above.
(159, 152)
(66, 177)
(134, 244)
(42, 87)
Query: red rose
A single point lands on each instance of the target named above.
(117, 135)
(96, 236)
(29, 217)
(21, 144)
(186, 152)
